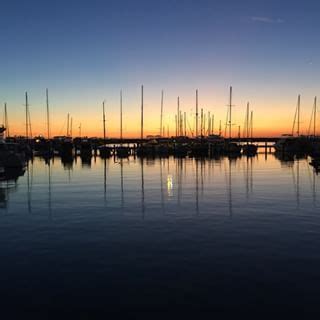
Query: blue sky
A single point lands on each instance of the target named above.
(85, 51)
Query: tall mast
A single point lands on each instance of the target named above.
(104, 123)
(27, 126)
(48, 115)
(142, 112)
(212, 124)
(201, 123)
(178, 116)
(121, 115)
(298, 124)
(161, 115)
(6, 123)
(29, 120)
(209, 123)
(315, 116)
(71, 127)
(251, 125)
(181, 123)
(230, 108)
(176, 120)
(220, 131)
(68, 116)
(197, 113)
(247, 122)
(185, 123)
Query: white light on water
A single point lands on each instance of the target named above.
(170, 185)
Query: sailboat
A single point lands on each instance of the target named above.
(290, 143)
(104, 150)
(231, 148)
(121, 151)
(148, 148)
(12, 155)
(314, 141)
(249, 149)
(42, 145)
(66, 144)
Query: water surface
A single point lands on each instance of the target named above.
(157, 234)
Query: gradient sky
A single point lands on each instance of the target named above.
(86, 51)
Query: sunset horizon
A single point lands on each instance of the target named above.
(159, 156)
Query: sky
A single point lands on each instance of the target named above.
(85, 52)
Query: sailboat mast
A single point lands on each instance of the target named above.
(48, 116)
(71, 127)
(247, 122)
(68, 116)
(29, 120)
(230, 110)
(178, 116)
(298, 124)
(176, 120)
(212, 124)
(185, 123)
(121, 116)
(27, 106)
(161, 115)
(181, 123)
(6, 120)
(197, 115)
(315, 116)
(104, 124)
(142, 112)
(251, 125)
(201, 123)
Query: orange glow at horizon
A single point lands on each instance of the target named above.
(271, 118)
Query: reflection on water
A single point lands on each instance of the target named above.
(169, 184)
(157, 232)
(8, 184)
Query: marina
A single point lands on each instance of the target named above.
(159, 158)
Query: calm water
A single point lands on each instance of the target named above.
(161, 234)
